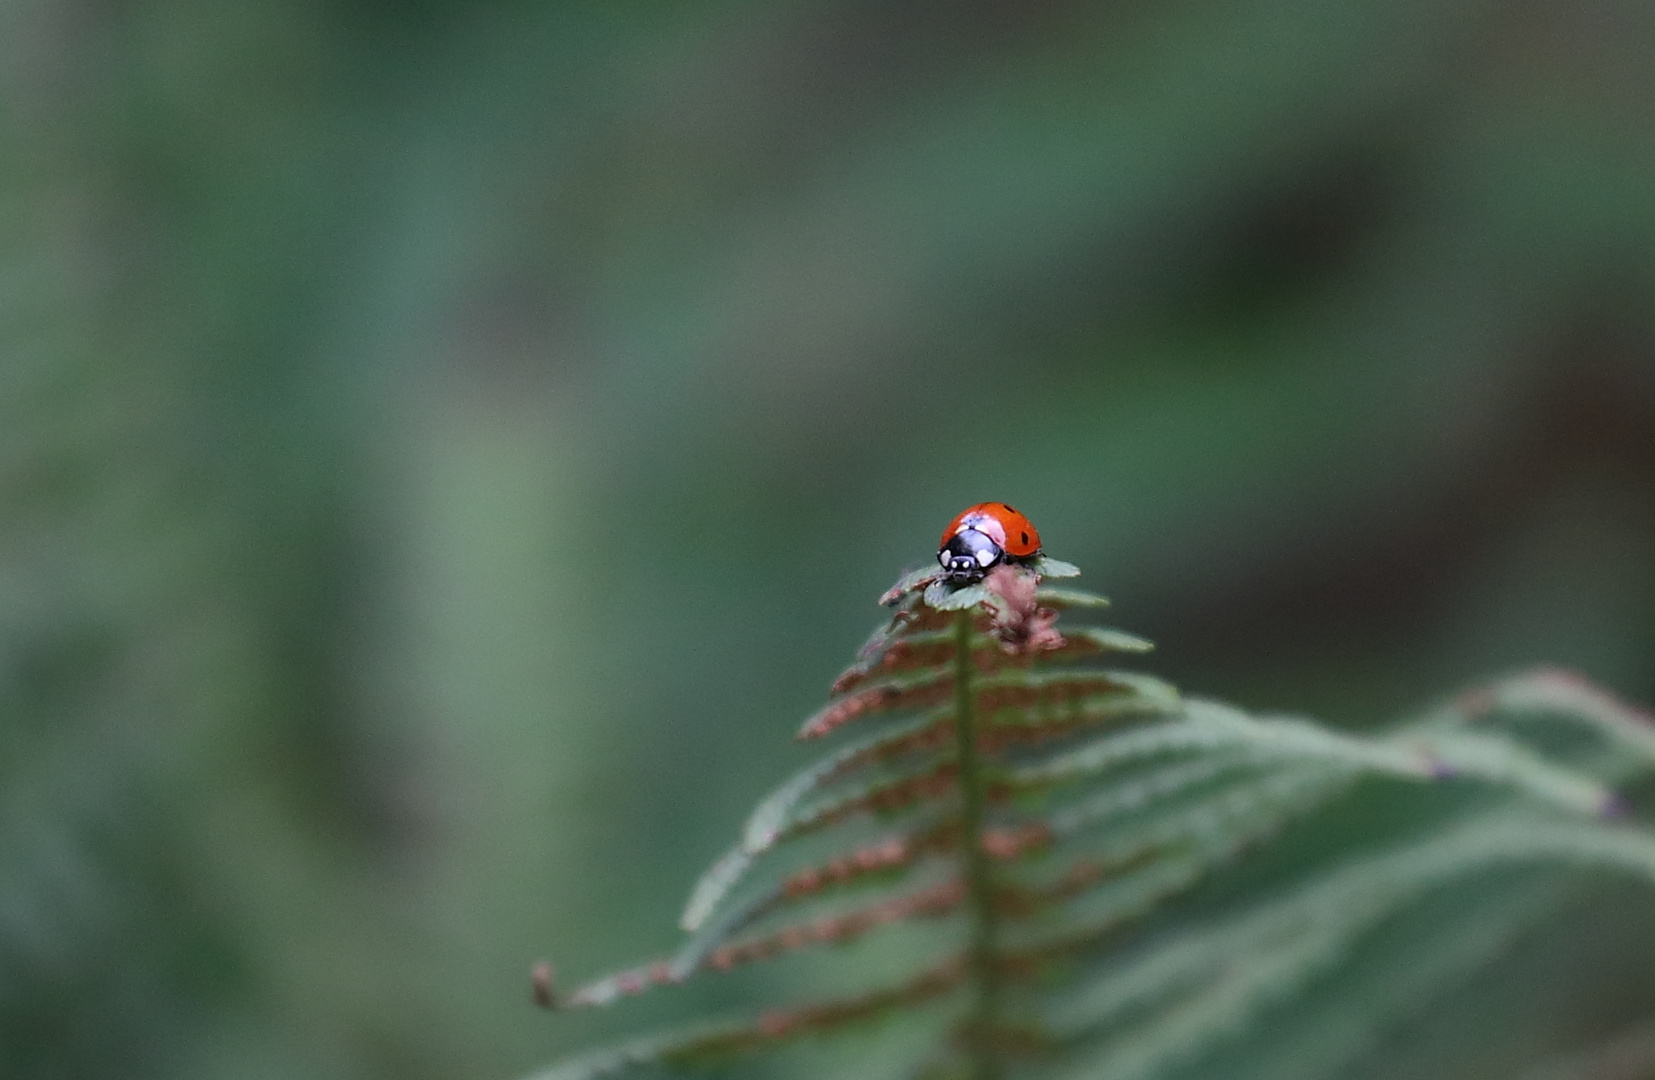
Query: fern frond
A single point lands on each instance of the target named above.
(1349, 1015)
(1110, 851)
(768, 820)
(1554, 696)
(1010, 687)
(926, 687)
(1064, 599)
(934, 649)
(703, 1045)
(1216, 981)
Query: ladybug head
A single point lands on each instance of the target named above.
(967, 556)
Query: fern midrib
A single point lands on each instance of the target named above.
(983, 965)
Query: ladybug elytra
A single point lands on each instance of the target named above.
(983, 536)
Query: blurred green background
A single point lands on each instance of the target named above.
(446, 447)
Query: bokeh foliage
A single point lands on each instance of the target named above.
(441, 446)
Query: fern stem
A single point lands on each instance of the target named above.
(985, 976)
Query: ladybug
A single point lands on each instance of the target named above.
(983, 536)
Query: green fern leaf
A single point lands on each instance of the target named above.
(1137, 880)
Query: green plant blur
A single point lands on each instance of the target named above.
(445, 447)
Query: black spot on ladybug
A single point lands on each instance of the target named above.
(1025, 537)
(1007, 508)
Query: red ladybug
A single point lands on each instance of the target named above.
(982, 536)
